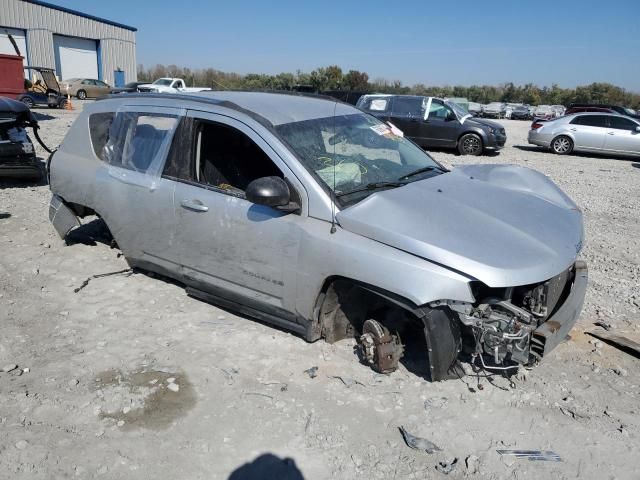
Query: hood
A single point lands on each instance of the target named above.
(501, 224)
(482, 122)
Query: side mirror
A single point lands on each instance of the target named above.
(450, 116)
(638, 129)
(268, 191)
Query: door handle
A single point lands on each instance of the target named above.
(611, 133)
(195, 205)
(573, 129)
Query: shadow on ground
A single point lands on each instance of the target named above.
(268, 466)
(90, 233)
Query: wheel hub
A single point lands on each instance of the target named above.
(381, 350)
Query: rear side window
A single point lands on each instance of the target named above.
(408, 106)
(99, 125)
(591, 120)
(135, 140)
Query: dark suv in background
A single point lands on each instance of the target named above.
(433, 122)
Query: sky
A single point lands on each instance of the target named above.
(450, 42)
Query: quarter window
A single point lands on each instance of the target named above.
(99, 125)
(135, 140)
(375, 104)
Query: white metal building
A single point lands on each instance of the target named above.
(75, 44)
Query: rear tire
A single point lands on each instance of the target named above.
(470, 144)
(562, 145)
(81, 95)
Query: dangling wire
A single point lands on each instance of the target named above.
(333, 192)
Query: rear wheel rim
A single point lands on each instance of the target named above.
(561, 145)
(28, 102)
(81, 95)
(471, 145)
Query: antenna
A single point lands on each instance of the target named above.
(333, 190)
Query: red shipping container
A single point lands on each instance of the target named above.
(11, 76)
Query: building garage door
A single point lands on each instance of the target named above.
(75, 57)
(19, 37)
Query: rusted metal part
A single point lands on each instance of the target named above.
(380, 349)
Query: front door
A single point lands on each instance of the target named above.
(441, 127)
(229, 246)
(622, 136)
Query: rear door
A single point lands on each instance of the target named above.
(441, 127)
(589, 131)
(622, 136)
(135, 202)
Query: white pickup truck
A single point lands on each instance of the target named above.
(169, 85)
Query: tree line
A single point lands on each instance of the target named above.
(333, 78)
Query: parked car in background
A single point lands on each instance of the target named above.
(558, 110)
(475, 108)
(588, 132)
(169, 85)
(521, 112)
(494, 110)
(82, 88)
(432, 122)
(544, 111)
(130, 87)
(318, 218)
(629, 112)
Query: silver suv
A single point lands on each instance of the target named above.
(318, 218)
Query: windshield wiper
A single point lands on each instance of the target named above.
(372, 186)
(421, 170)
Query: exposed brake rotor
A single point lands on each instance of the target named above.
(380, 349)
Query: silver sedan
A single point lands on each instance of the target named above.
(588, 132)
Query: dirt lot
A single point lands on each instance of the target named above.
(130, 378)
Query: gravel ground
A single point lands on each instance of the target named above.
(130, 378)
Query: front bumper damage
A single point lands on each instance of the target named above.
(552, 332)
(507, 327)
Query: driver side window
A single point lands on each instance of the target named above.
(222, 158)
(439, 111)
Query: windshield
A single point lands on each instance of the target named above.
(458, 110)
(163, 81)
(629, 111)
(353, 155)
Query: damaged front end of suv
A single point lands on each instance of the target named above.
(513, 234)
(516, 325)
